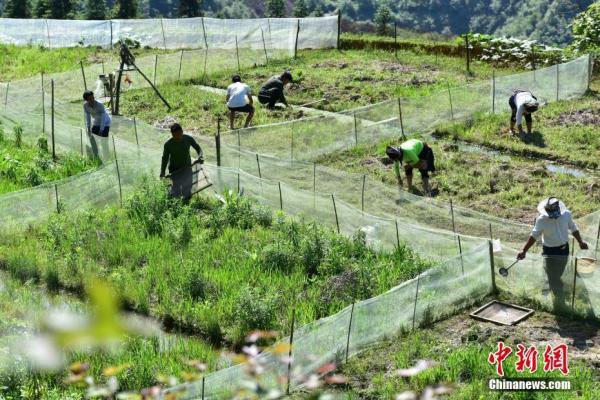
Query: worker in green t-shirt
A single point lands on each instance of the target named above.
(176, 155)
(412, 154)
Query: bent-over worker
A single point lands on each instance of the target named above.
(176, 155)
(239, 99)
(553, 225)
(522, 103)
(271, 91)
(97, 124)
(413, 154)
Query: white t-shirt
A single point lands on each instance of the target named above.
(554, 232)
(96, 115)
(237, 93)
(521, 99)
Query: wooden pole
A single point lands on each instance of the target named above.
(180, 63)
(362, 195)
(218, 142)
(81, 141)
(468, 53)
(314, 177)
(111, 34)
(395, 39)
(416, 299)
(52, 120)
(155, 66)
(162, 27)
(48, 33)
(237, 53)
(83, 74)
(597, 237)
(494, 91)
(450, 97)
(452, 214)
(397, 234)
(6, 95)
(355, 129)
(297, 34)
(57, 199)
(204, 32)
(574, 287)
(151, 84)
(349, 330)
(292, 142)
(136, 132)
(280, 197)
(337, 222)
(289, 370)
(401, 120)
(118, 172)
(462, 264)
(258, 166)
(492, 268)
(533, 57)
(491, 235)
(557, 82)
(43, 105)
(264, 46)
(339, 21)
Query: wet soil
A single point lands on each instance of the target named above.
(579, 117)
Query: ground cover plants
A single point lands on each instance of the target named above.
(24, 165)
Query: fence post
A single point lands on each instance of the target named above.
(533, 57)
(297, 34)
(155, 65)
(280, 197)
(452, 214)
(462, 264)
(162, 27)
(492, 268)
(48, 33)
(258, 165)
(289, 371)
(337, 223)
(6, 95)
(355, 129)
(203, 383)
(339, 23)
(57, 199)
(292, 142)
(237, 52)
(557, 81)
(136, 133)
(416, 299)
(362, 195)
(262, 32)
(83, 74)
(590, 69)
(180, 63)
(218, 142)
(451, 108)
(349, 329)
(395, 39)
(118, 172)
(468, 53)
(397, 234)
(43, 105)
(400, 116)
(597, 238)
(111, 34)
(314, 177)
(491, 235)
(81, 140)
(494, 91)
(52, 120)
(574, 287)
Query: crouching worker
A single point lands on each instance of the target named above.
(522, 104)
(271, 91)
(176, 155)
(239, 99)
(553, 225)
(413, 154)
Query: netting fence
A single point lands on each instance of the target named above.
(182, 33)
(274, 164)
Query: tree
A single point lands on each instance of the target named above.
(95, 9)
(300, 9)
(586, 30)
(60, 9)
(189, 8)
(17, 9)
(42, 9)
(275, 9)
(383, 16)
(125, 9)
(318, 12)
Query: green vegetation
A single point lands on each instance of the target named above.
(461, 349)
(215, 269)
(586, 30)
(23, 166)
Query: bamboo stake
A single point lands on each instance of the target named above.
(401, 120)
(83, 74)
(450, 97)
(264, 46)
(416, 299)
(337, 223)
(180, 63)
(258, 165)
(52, 121)
(362, 196)
(56, 198)
(492, 267)
(280, 197)
(237, 53)
(574, 287)
(289, 370)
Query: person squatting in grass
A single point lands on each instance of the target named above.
(271, 91)
(554, 224)
(97, 122)
(414, 154)
(239, 99)
(522, 103)
(176, 154)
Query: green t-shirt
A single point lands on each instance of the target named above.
(176, 154)
(411, 150)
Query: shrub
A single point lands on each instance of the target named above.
(312, 252)
(33, 178)
(279, 257)
(1, 132)
(586, 30)
(238, 212)
(42, 143)
(255, 309)
(18, 132)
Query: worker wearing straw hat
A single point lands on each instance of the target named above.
(522, 103)
(413, 154)
(553, 225)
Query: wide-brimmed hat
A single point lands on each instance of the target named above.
(545, 207)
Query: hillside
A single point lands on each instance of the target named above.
(546, 21)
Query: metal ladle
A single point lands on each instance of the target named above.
(504, 271)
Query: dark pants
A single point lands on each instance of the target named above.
(555, 263)
(270, 97)
(182, 181)
(245, 109)
(427, 155)
(104, 133)
(513, 108)
(102, 153)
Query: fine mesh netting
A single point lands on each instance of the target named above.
(275, 165)
(191, 33)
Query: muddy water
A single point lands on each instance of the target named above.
(559, 169)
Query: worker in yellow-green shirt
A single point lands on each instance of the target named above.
(412, 154)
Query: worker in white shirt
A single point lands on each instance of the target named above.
(239, 99)
(522, 103)
(553, 225)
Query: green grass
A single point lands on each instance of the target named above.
(462, 363)
(19, 62)
(345, 79)
(23, 303)
(558, 132)
(23, 165)
(211, 269)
